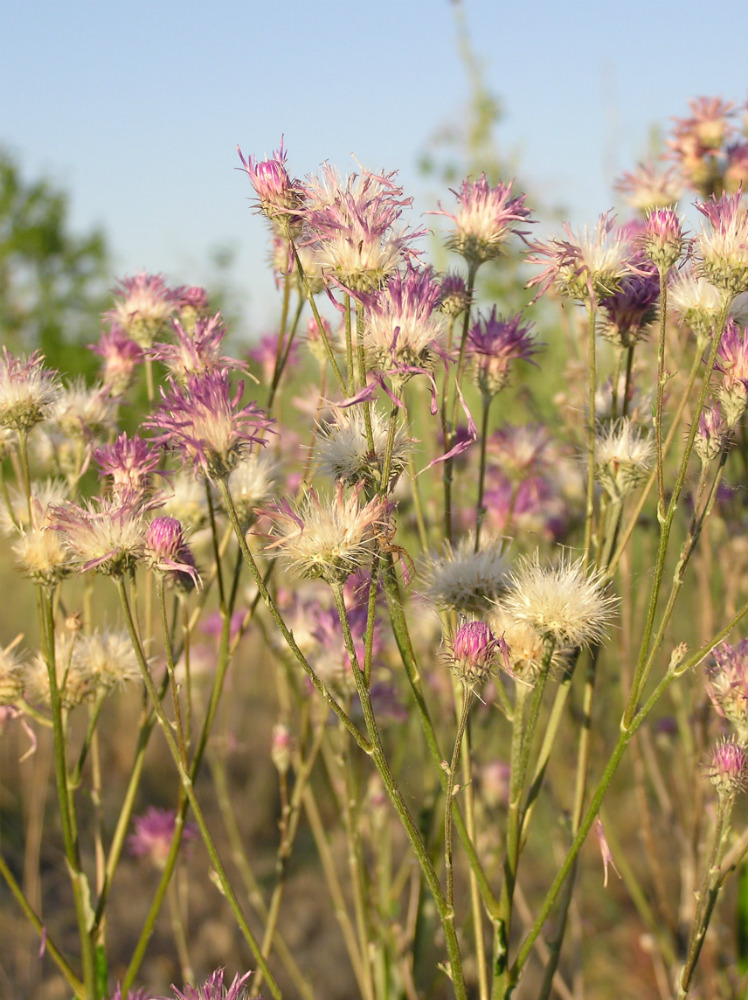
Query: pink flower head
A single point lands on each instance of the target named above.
(473, 651)
(453, 295)
(736, 171)
(106, 535)
(494, 342)
(732, 360)
(484, 219)
(191, 302)
(28, 391)
(662, 238)
(167, 551)
(140, 994)
(722, 248)
(120, 356)
(195, 351)
(708, 123)
(214, 988)
(278, 197)
(631, 308)
(713, 434)
(647, 189)
(131, 462)
(350, 225)
(267, 352)
(587, 265)
(144, 306)
(203, 421)
(154, 831)
(727, 767)
(727, 684)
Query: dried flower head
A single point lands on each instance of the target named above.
(12, 673)
(84, 412)
(106, 535)
(253, 483)
(107, 656)
(343, 449)
(154, 831)
(722, 246)
(696, 303)
(466, 581)
(484, 219)
(329, 538)
(186, 501)
(623, 457)
(28, 391)
(564, 602)
(202, 420)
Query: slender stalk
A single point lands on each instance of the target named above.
(661, 393)
(467, 701)
(591, 421)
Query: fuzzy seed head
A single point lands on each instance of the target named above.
(466, 581)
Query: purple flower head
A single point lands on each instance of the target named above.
(28, 391)
(473, 651)
(713, 434)
(202, 420)
(154, 831)
(494, 342)
(350, 224)
(732, 361)
(736, 172)
(195, 351)
(628, 312)
(214, 988)
(144, 305)
(708, 123)
(131, 462)
(267, 352)
(278, 197)
(106, 535)
(727, 684)
(484, 219)
(131, 994)
(722, 247)
(191, 303)
(727, 767)
(167, 552)
(586, 266)
(120, 357)
(662, 238)
(453, 295)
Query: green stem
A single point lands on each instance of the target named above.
(467, 700)
(591, 422)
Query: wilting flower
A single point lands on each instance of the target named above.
(153, 835)
(28, 391)
(203, 421)
(493, 342)
(565, 602)
(195, 351)
(647, 190)
(484, 219)
(528, 650)
(586, 265)
(332, 538)
(732, 360)
(343, 449)
(279, 198)
(12, 673)
(167, 552)
(473, 651)
(143, 307)
(350, 225)
(464, 580)
(120, 356)
(107, 656)
(727, 767)
(106, 535)
(722, 248)
(623, 457)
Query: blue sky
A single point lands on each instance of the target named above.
(136, 108)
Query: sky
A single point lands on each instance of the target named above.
(136, 109)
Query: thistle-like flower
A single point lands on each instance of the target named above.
(12, 673)
(343, 449)
(587, 265)
(466, 581)
(350, 225)
(565, 602)
(646, 189)
(253, 483)
(727, 685)
(712, 436)
(453, 295)
(732, 361)
(85, 665)
(214, 988)
(203, 420)
(484, 219)
(727, 767)
(662, 238)
(279, 198)
(120, 356)
(331, 538)
(106, 535)
(28, 391)
(696, 303)
(131, 462)
(84, 412)
(167, 552)
(153, 834)
(623, 457)
(144, 306)
(195, 351)
(493, 343)
(473, 651)
(722, 247)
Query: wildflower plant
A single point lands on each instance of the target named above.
(434, 649)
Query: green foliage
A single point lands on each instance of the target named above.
(52, 283)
